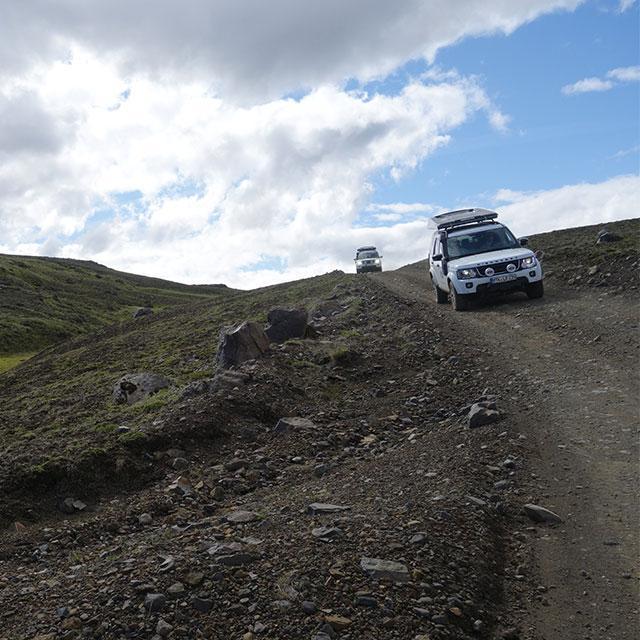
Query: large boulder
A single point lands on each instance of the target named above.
(605, 236)
(285, 324)
(247, 341)
(143, 312)
(134, 387)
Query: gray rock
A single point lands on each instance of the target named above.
(285, 324)
(480, 415)
(247, 341)
(540, 514)
(145, 518)
(418, 538)
(134, 387)
(142, 312)
(605, 236)
(325, 533)
(322, 507)
(176, 589)
(203, 605)
(365, 601)
(308, 607)
(385, 569)
(72, 505)
(290, 424)
(163, 628)
(155, 602)
(241, 517)
(224, 548)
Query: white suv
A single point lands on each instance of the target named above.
(470, 254)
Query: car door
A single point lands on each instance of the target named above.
(436, 265)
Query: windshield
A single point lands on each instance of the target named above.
(367, 254)
(468, 244)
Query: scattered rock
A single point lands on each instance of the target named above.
(143, 312)
(241, 517)
(203, 605)
(321, 507)
(163, 628)
(291, 424)
(480, 415)
(154, 602)
(247, 341)
(385, 569)
(145, 518)
(72, 505)
(326, 533)
(540, 514)
(134, 387)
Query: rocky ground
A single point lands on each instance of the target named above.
(335, 489)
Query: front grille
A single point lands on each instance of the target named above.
(499, 267)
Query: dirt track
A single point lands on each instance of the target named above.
(578, 356)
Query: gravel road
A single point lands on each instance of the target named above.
(578, 355)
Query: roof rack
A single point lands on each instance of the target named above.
(365, 249)
(462, 217)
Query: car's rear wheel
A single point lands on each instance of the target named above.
(535, 290)
(458, 302)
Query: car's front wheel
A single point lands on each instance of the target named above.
(458, 302)
(535, 290)
(441, 296)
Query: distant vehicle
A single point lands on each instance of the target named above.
(472, 255)
(368, 259)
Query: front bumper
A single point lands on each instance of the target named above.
(486, 285)
(368, 267)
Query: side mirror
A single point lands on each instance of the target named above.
(523, 241)
(436, 258)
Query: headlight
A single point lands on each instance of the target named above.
(526, 263)
(464, 274)
(377, 261)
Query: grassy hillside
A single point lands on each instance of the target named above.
(571, 256)
(45, 300)
(57, 411)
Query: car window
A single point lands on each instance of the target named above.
(468, 244)
(368, 254)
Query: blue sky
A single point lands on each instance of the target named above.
(553, 139)
(255, 142)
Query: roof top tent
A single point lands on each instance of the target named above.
(461, 217)
(365, 249)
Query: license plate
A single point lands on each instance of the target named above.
(507, 278)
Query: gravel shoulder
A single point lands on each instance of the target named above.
(577, 356)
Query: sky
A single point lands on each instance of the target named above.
(248, 142)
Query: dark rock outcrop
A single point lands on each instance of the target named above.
(143, 312)
(285, 324)
(248, 341)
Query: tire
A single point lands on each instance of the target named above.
(535, 290)
(441, 296)
(458, 302)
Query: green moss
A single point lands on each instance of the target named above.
(10, 361)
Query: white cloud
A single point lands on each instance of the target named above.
(254, 48)
(570, 206)
(219, 187)
(181, 104)
(625, 4)
(401, 208)
(625, 74)
(613, 78)
(587, 85)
